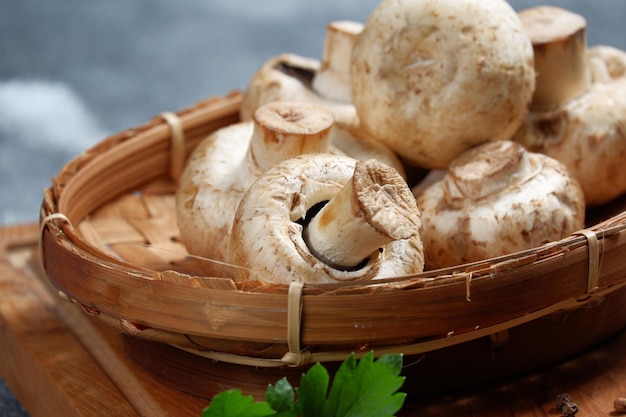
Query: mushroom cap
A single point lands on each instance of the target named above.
(209, 190)
(223, 166)
(289, 77)
(431, 78)
(495, 200)
(607, 63)
(267, 235)
(358, 144)
(588, 133)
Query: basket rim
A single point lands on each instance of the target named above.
(422, 307)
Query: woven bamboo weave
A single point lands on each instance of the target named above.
(110, 243)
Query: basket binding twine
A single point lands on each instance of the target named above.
(489, 297)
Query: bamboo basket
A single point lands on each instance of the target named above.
(109, 243)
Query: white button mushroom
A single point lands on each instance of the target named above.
(431, 78)
(292, 77)
(224, 165)
(578, 115)
(324, 218)
(496, 199)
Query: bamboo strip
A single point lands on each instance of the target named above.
(134, 285)
(437, 309)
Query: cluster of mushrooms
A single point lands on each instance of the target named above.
(511, 123)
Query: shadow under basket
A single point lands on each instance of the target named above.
(109, 242)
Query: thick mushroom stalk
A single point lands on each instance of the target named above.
(477, 175)
(431, 78)
(497, 199)
(578, 112)
(559, 42)
(284, 130)
(224, 165)
(343, 241)
(332, 80)
(373, 209)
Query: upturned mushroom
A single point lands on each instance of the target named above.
(431, 78)
(292, 77)
(227, 162)
(324, 218)
(496, 199)
(578, 112)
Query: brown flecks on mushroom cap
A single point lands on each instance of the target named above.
(537, 203)
(268, 231)
(431, 78)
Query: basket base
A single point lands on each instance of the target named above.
(521, 349)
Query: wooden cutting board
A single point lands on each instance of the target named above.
(59, 361)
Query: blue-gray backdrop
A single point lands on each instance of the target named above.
(75, 71)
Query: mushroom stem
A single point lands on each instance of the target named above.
(283, 130)
(333, 78)
(486, 170)
(373, 209)
(559, 43)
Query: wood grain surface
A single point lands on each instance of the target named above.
(59, 361)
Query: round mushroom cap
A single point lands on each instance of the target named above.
(209, 190)
(430, 78)
(267, 236)
(498, 199)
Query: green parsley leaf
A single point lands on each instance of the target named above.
(280, 396)
(367, 388)
(232, 403)
(313, 390)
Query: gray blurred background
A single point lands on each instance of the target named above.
(74, 71)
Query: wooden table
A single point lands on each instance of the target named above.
(59, 361)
